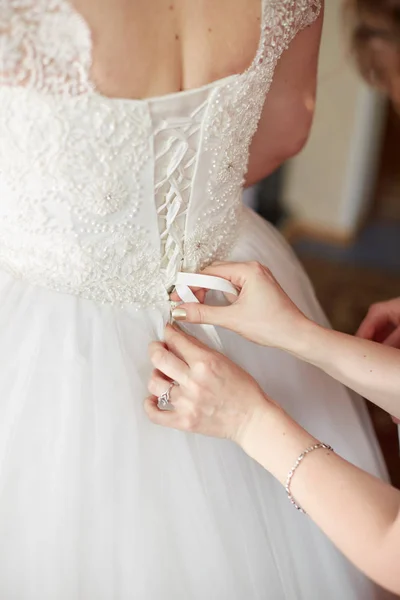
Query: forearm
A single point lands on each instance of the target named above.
(359, 513)
(372, 370)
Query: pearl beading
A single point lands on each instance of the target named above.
(79, 210)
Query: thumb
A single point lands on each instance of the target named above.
(202, 314)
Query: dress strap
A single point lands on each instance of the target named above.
(282, 20)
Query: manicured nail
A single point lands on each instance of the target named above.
(179, 314)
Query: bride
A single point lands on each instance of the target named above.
(125, 131)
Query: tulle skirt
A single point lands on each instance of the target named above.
(96, 503)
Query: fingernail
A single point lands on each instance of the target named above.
(179, 314)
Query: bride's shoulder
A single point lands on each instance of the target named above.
(299, 13)
(42, 44)
(284, 19)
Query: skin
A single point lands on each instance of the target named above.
(264, 314)
(215, 397)
(176, 45)
(382, 323)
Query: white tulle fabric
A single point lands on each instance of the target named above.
(102, 203)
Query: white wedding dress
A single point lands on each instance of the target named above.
(102, 203)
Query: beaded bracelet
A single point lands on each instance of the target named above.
(294, 468)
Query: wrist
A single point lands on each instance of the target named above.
(305, 340)
(259, 405)
(288, 332)
(274, 439)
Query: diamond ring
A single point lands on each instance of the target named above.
(164, 401)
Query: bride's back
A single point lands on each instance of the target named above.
(156, 181)
(143, 49)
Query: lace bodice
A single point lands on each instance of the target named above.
(109, 198)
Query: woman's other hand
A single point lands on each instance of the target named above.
(382, 325)
(212, 395)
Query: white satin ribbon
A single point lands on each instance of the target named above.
(185, 281)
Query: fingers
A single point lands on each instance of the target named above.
(160, 417)
(236, 273)
(379, 325)
(200, 294)
(159, 384)
(373, 322)
(393, 339)
(185, 346)
(203, 313)
(181, 420)
(168, 363)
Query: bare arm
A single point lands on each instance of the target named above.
(371, 369)
(358, 512)
(289, 109)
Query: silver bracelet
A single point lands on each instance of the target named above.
(295, 467)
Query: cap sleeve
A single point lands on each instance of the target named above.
(44, 45)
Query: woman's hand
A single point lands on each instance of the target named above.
(216, 398)
(382, 324)
(262, 312)
(213, 396)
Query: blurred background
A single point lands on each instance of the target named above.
(338, 202)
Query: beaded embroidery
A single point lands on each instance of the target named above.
(99, 198)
